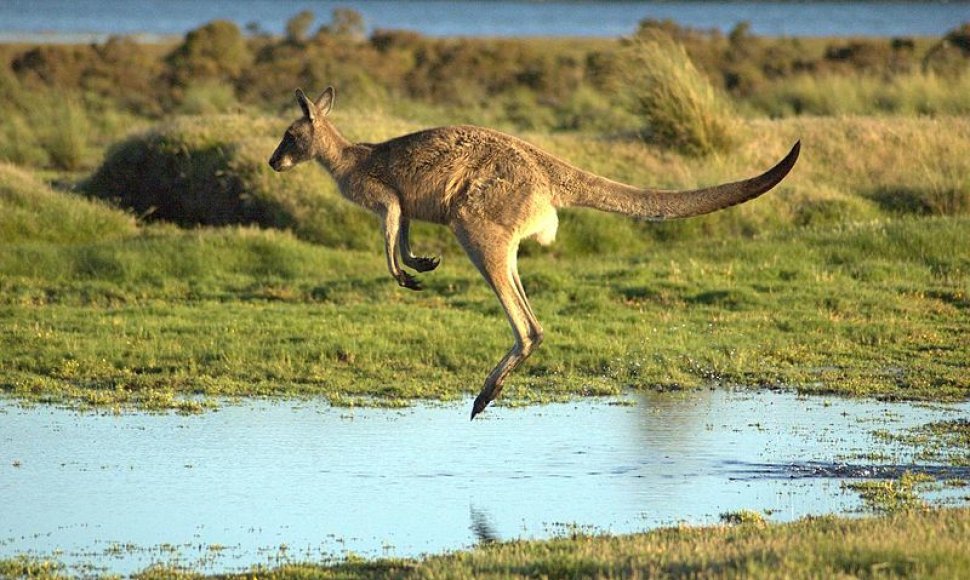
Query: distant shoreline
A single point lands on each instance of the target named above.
(66, 21)
(65, 38)
(83, 37)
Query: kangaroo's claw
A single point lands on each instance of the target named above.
(489, 393)
(481, 402)
(408, 281)
(425, 264)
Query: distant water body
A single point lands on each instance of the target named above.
(88, 20)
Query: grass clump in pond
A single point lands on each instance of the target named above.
(940, 441)
(744, 518)
(891, 495)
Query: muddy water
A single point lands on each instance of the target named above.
(266, 482)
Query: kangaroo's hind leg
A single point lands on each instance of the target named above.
(493, 250)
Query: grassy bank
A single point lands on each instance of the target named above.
(917, 544)
(876, 309)
(913, 544)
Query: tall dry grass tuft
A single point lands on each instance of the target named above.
(65, 134)
(679, 106)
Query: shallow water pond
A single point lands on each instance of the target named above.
(266, 482)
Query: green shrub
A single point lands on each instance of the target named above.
(214, 51)
(678, 105)
(213, 170)
(345, 23)
(922, 200)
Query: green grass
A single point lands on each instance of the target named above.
(875, 309)
(33, 213)
(920, 545)
(909, 94)
(910, 544)
(914, 545)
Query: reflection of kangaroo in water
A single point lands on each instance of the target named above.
(492, 190)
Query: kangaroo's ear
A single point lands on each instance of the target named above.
(325, 100)
(309, 109)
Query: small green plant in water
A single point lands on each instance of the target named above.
(744, 518)
(891, 496)
(945, 441)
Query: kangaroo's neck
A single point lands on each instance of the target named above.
(333, 149)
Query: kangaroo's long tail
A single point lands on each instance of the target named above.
(591, 190)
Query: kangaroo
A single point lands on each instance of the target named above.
(493, 190)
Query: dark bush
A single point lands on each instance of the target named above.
(960, 38)
(212, 170)
(949, 56)
(863, 56)
(53, 65)
(388, 40)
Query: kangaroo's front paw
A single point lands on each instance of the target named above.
(425, 264)
(408, 281)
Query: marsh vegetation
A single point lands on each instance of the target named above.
(202, 274)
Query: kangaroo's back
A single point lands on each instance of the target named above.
(440, 170)
(446, 170)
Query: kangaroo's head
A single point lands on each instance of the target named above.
(299, 142)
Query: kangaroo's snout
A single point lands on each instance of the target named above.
(279, 163)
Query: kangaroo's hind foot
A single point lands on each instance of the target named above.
(408, 281)
(422, 263)
(489, 393)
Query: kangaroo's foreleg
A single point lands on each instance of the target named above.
(419, 263)
(390, 213)
(494, 253)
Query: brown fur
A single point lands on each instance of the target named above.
(493, 190)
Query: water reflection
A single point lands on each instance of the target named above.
(265, 482)
(482, 528)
